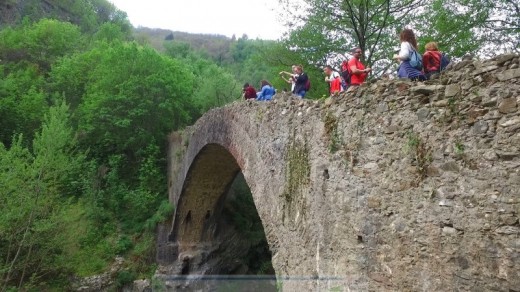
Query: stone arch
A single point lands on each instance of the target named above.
(209, 178)
(203, 222)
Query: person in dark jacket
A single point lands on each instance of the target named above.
(301, 82)
(249, 92)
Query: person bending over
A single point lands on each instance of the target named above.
(249, 92)
(267, 91)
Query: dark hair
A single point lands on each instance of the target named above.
(354, 50)
(407, 35)
(246, 85)
(328, 67)
(265, 82)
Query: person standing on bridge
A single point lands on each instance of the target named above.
(302, 82)
(358, 72)
(333, 79)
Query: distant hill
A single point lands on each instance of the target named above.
(87, 14)
(217, 46)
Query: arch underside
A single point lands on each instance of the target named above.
(200, 204)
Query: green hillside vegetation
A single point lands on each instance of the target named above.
(86, 106)
(87, 101)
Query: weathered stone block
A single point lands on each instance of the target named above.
(452, 90)
(507, 105)
(508, 74)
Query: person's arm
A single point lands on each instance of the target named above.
(285, 79)
(286, 73)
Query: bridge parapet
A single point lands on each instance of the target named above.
(399, 186)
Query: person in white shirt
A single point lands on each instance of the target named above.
(333, 79)
(408, 45)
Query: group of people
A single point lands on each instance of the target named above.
(298, 79)
(353, 73)
(431, 62)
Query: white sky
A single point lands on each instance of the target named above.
(256, 18)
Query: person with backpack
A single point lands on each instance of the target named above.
(433, 60)
(358, 72)
(267, 92)
(333, 79)
(302, 84)
(249, 92)
(410, 61)
(345, 75)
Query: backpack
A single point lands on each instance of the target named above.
(445, 61)
(416, 60)
(345, 74)
(308, 84)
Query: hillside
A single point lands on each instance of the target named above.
(216, 46)
(88, 14)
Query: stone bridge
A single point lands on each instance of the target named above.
(399, 187)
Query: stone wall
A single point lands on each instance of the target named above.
(400, 186)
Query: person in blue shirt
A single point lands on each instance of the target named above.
(267, 91)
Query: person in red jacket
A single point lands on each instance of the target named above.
(431, 59)
(358, 72)
(249, 92)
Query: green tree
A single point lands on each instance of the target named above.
(213, 87)
(41, 43)
(329, 28)
(33, 221)
(126, 96)
(26, 56)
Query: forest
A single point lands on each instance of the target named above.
(86, 103)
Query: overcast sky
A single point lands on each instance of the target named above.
(256, 18)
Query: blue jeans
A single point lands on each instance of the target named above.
(301, 93)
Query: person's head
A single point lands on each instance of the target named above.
(264, 83)
(293, 68)
(327, 70)
(431, 46)
(356, 53)
(407, 35)
(246, 86)
(298, 69)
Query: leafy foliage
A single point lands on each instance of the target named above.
(327, 29)
(35, 199)
(84, 178)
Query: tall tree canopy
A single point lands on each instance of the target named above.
(321, 30)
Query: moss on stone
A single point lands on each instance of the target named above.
(298, 169)
(331, 124)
